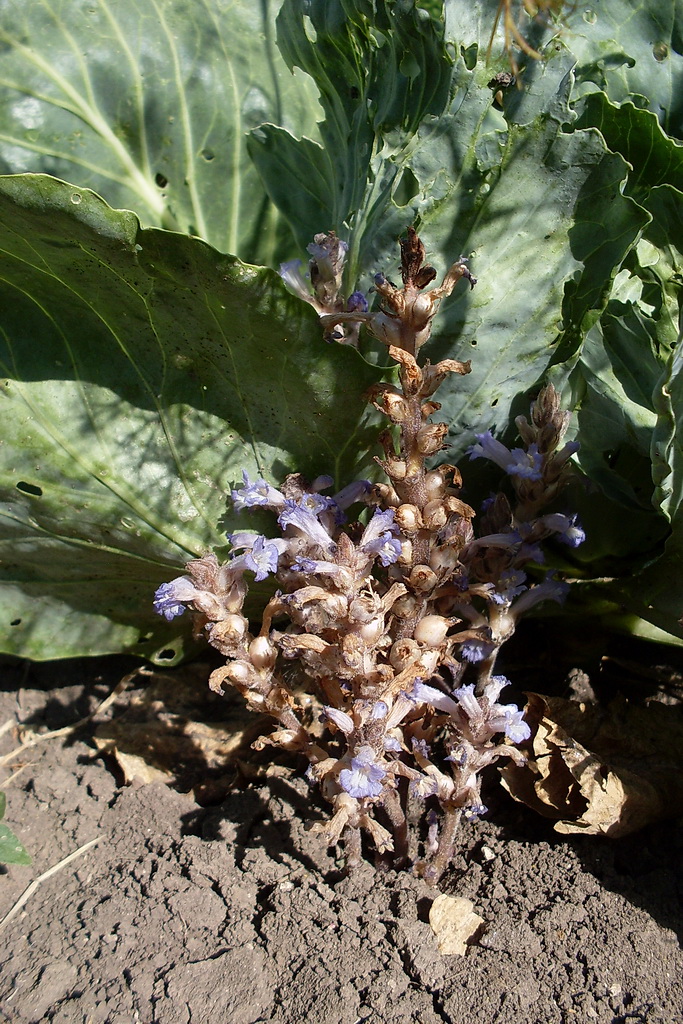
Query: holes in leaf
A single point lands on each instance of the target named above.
(469, 55)
(30, 489)
(407, 188)
(168, 654)
(354, 92)
(207, 155)
(15, 622)
(160, 180)
(660, 52)
(494, 403)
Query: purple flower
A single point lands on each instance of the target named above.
(526, 464)
(494, 686)
(262, 558)
(423, 787)
(420, 747)
(379, 537)
(475, 812)
(170, 598)
(329, 254)
(256, 493)
(476, 650)
(458, 756)
(322, 482)
(423, 694)
(387, 549)
(570, 448)
(364, 777)
(531, 553)
(242, 538)
(352, 493)
(518, 462)
(357, 303)
(509, 719)
(549, 590)
(307, 522)
(316, 503)
(290, 272)
(510, 585)
(468, 702)
(488, 448)
(568, 528)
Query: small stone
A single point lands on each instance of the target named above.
(487, 853)
(454, 923)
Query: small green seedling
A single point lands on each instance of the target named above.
(11, 850)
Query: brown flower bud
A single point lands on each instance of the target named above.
(431, 630)
(364, 608)
(370, 632)
(525, 430)
(406, 607)
(434, 375)
(453, 472)
(403, 653)
(240, 673)
(435, 484)
(262, 653)
(394, 468)
(406, 556)
(429, 408)
(408, 519)
(384, 495)
(423, 579)
(227, 634)
(444, 560)
(390, 401)
(428, 661)
(430, 438)
(457, 507)
(411, 374)
(435, 515)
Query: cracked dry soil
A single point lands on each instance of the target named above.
(232, 913)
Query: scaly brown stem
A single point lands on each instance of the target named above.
(392, 805)
(444, 854)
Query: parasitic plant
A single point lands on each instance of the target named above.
(376, 654)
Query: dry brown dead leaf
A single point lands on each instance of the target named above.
(601, 770)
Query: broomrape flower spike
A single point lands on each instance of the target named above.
(395, 618)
